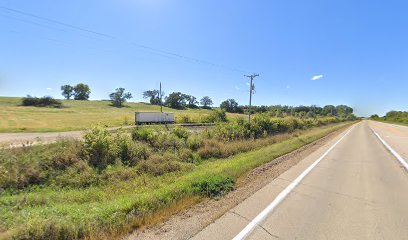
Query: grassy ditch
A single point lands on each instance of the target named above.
(110, 183)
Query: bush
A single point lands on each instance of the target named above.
(143, 134)
(118, 172)
(183, 119)
(78, 175)
(17, 170)
(41, 102)
(213, 186)
(136, 152)
(216, 116)
(194, 142)
(186, 155)
(98, 148)
(181, 132)
(160, 164)
(67, 153)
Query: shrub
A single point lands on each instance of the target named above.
(160, 164)
(136, 152)
(215, 116)
(66, 153)
(41, 102)
(78, 175)
(181, 132)
(195, 141)
(142, 134)
(18, 170)
(186, 155)
(213, 186)
(99, 148)
(118, 172)
(183, 119)
(211, 148)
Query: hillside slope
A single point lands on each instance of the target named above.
(77, 115)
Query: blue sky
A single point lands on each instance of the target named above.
(359, 47)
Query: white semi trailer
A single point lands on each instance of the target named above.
(153, 118)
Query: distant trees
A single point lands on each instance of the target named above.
(190, 100)
(230, 105)
(67, 91)
(393, 116)
(175, 100)
(153, 95)
(206, 102)
(41, 102)
(119, 97)
(344, 111)
(80, 91)
(375, 117)
(329, 110)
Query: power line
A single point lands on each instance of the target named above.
(56, 22)
(251, 90)
(109, 36)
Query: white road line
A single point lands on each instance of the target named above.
(400, 159)
(261, 216)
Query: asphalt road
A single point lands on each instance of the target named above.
(351, 188)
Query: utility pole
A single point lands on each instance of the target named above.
(161, 102)
(251, 90)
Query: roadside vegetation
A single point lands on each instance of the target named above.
(111, 182)
(393, 117)
(83, 114)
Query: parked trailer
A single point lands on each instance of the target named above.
(153, 118)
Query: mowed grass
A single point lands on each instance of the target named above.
(80, 115)
(105, 212)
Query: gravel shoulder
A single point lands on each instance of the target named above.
(187, 223)
(21, 139)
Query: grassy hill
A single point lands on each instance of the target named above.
(78, 115)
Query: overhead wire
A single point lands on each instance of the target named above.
(112, 37)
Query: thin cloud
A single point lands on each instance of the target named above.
(237, 88)
(49, 89)
(287, 86)
(317, 77)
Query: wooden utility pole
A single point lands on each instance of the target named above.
(251, 90)
(161, 102)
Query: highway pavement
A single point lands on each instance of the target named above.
(354, 187)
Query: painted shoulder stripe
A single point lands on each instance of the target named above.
(396, 155)
(261, 216)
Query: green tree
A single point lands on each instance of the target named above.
(329, 110)
(343, 111)
(230, 105)
(81, 91)
(190, 100)
(119, 97)
(67, 91)
(153, 95)
(176, 100)
(206, 102)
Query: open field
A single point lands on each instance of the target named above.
(79, 115)
(122, 198)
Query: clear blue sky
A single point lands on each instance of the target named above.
(360, 48)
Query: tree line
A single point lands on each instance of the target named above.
(393, 116)
(179, 100)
